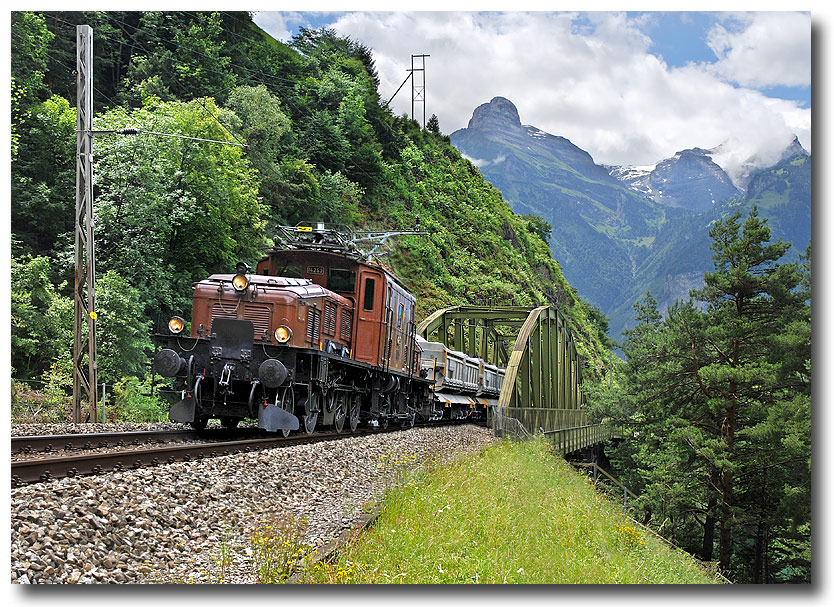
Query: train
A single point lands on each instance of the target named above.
(319, 335)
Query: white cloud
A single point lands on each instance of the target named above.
(481, 162)
(768, 49)
(588, 77)
(279, 25)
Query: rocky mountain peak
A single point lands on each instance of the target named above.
(498, 112)
(794, 149)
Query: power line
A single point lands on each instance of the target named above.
(134, 131)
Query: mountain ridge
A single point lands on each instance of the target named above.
(619, 231)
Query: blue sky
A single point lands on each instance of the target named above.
(630, 88)
(681, 38)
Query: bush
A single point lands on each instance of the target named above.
(135, 400)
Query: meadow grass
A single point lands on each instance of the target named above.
(513, 514)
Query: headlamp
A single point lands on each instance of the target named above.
(240, 282)
(176, 325)
(283, 334)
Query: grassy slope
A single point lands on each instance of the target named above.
(477, 251)
(514, 514)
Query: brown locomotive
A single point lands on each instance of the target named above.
(317, 335)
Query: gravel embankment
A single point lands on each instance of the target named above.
(170, 523)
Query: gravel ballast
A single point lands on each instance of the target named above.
(46, 429)
(171, 523)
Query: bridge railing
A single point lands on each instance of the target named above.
(567, 440)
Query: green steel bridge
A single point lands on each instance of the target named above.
(543, 383)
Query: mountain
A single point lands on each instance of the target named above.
(601, 227)
(620, 231)
(680, 253)
(783, 195)
(689, 180)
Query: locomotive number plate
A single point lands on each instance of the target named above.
(315, 270)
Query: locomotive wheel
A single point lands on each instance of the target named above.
(339, 405)
(200, 422)
(312, 406)
(353, 413)
(285, 399)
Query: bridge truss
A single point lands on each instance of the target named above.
(543, 382)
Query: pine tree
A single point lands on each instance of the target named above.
(433, 125)
(721, 401)
(750, 298)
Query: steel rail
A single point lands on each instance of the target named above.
(50, 443)
(49, 468)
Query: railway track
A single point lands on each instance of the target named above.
(56, 443)
(117, 457)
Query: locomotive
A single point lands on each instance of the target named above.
(319, 334)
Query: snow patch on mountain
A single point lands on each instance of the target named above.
(636, 177)
(535, 132)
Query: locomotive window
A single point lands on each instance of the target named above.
(370, 283)
(342, 281)
(400, 317)
(292, 271)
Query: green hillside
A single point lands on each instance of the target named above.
(169, 211)
(512, 515)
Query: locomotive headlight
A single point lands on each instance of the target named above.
(240, 282)
(283, 334)
(176, 325)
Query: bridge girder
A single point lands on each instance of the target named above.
(543, 381)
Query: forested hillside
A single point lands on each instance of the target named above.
(169, 211)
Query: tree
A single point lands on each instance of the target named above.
(42, 320)
(183, 53)
(171, 211)
(539, 226)
(433, 125)
(30, 43)
(200, 67)
(43, 178)
(123, 331)
(258, 119)
(721, 398)
(750, 299)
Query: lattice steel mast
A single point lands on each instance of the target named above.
(84, 380)
(418, 91)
